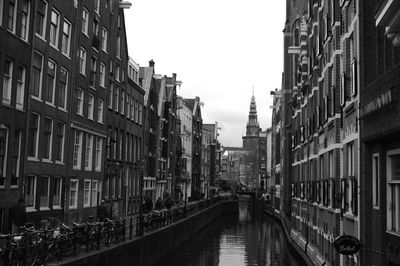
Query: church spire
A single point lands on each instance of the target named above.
(252, 127)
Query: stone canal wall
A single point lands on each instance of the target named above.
(154, 246)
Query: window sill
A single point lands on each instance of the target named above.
(72, 208)
(44, 209)
(7, 103)
(393, 233)
(20, 109)
(87, 206)
(67, 55)
(36, 98)
(76, 168)
(57, 207)
(30, 209)
(33, 159)
(54, 46)
(50, 104)
(40, 37)
(63, 110)
(47, 161)
(59, 163)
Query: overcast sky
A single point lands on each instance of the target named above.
(219, 49)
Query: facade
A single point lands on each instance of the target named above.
(380, 130)
(262, 160)
(274, 184)
(207, 140)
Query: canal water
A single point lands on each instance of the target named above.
(247, 238)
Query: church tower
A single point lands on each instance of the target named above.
(250, 141)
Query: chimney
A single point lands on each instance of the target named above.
(151, 63)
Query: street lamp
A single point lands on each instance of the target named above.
(142, 165)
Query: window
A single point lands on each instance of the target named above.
(118, 51)
(16, 158)
(116, 99)
(33, 137)
(128, 105)
(51, 82)
(86, 193)
(104, 36)
(99, 147)
(97, 6)
(100, 111)
(57, 188)
(85, 21)
(132, 108)
(25, 10)
(41, 13)
(7, 81)
(30, 192)
(66, 38)
(393, 191)
(93, 67)
(354, 78)
(331, 165)
(110, 95)
(121, 138)
(59, 142)
(3, 154)
(1, 22)
(73, 194)
(95, 28)
(63, 89)
(82, 61)
(375, 181)
(44, 192)
(350, 159)
(140, 113)
(54, 28)
(79, 101)
(90, 106)
(122, 103)
(12, 15)
(19, 101)
(89, 152)
(117, 72)
(37, 68)
(77, 150)
(47, 138)
(102, 74)
(94, 193)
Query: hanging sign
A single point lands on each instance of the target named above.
(347, 244)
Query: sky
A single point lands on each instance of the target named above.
(220, 49)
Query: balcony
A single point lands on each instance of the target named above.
(388, 16)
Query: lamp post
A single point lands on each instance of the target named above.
(142, 163)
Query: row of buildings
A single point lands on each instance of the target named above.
(336, 127)
(82, 124)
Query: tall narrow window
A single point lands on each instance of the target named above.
(104, 37)
(117, 72)
(110, 95)
(66, 38)
(16, 158)
(95, 28)
(73, 194)
(350, 159)
(33, 136)
(97, 6)
(118, 47)
(140, 113)
(93, 69)
(19, 101)
(12, 15)
(77, 157)
(57, 188)
(7, 81)
(54, 28)
(59, 142)
(116, 100)
(44, 192)
(100, 111)
(63, 89)
(41, 13)
(102, 74)
(82, 61)
(375, 181)
(86, 193)
(79, 101)
(89, 152)
(25, 10)
(47, 138)
(51, 82)
(85, 21)
(393, 191)
(37, 73)
(90, 106)
(3, 154)
(122, 103)
(30, 192)
(94, 193)
(99, 147)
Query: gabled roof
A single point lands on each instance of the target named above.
(146, 75)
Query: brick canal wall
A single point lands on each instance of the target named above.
(152, 247)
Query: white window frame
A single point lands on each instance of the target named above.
(117, 70)
(85, 21)
(14, 22)
(102, 71)
(44, 22)
(25, 20)
(4, 174)
(89, 152)
(90, 106)
(18, 162)
(75, 198)
(35, 158)
(99, 150)
(77, 152)
(350, 159)
(20, 95)
(1, 12)
(46, 207)
(79, 101)
(66, 38)
(100, 111)
(54, 29)
(62, 142)
(118, 46)
(34, 184)
(97, 6)
(110, 95)
(54, 82)
(57, 205)
(62, 69)
(104, 39)
(7, 88)
(93, 193)
(44, 159)
(38, 97)
(375, 181)
(82, 61)
(87, 193)
(392, 185)
(116, 102)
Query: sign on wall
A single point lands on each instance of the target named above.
(347, 244)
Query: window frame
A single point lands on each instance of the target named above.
(77, 152)
(44, 21)
(31, 207)
(21, 83)
(79, 101)
(102, 75)
(94, 199)
(75, 205)
(87, 192)
(25, 15)
(82, 60)
(98, 154)
(65, 86)
(53, 40)
(66, 38)
(50, 139)
(376, 181)
(6, 98)
(46, 206)
(48, 75)
(85, 21)
(392, 185)
(36, 140)
(55, 205)
(62, 142)
(89, 152)
(104, 39)
(33, 78)
(100, 111)
(90, 114)
(4, 167)
(14, 18)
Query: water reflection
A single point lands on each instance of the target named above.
(242, 239)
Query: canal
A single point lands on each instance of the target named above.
(247, 238)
